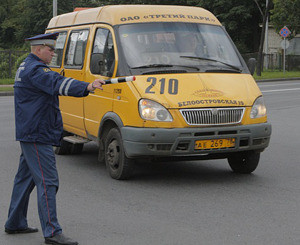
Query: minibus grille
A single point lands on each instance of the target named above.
(213, 116)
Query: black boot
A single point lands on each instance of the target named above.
(21, 231)
(60, 239)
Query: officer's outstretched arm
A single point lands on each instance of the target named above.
(53, 83)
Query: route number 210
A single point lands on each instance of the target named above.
(172, 85)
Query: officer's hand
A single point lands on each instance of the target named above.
(96, 84)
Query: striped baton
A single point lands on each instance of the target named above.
(117, 80)
(120, 80)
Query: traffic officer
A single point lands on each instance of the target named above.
(38, 128)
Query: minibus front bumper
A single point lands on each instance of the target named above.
(173, 142)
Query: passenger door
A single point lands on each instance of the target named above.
(74, 66)
(102, 64)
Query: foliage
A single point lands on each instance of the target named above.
(6, 89)
(6, 25)
(20, 19)
(6, 81)
(4, 64)
(241, 20)
(19, 61)
(4, 68)
(9, 62)
(24, 19)
(286, 13)
(69, 5)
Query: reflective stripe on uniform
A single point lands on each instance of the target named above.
(68, 86)
(62, 85)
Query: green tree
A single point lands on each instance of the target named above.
(7, 25)
(20, 19)
(24, 18)
(67, 6)
(241, 19)
(286, 13)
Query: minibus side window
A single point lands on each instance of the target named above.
(76, 49)
(103, 56)
(59, 48)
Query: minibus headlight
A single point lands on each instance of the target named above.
(258, 108)
(150, 110)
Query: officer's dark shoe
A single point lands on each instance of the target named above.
(21, 231)
(60, 239)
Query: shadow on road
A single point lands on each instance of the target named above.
(177, 172)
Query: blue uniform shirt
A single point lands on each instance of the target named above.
(37, 113)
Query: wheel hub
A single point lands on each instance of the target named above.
(113, 154)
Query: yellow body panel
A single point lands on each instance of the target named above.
(96, 105)
(199, 90)
(124, 14)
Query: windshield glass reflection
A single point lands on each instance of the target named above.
(149, 45)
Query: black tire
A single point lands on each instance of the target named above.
(244, 162)
(76, 148)
(117, 164)
(64, 147)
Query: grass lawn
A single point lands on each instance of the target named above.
(5, 89)
(7, 81)
(277, 74)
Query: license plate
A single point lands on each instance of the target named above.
(214, 144)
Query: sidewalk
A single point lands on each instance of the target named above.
(11, 93)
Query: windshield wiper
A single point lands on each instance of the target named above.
(151, 66)
(208, 59)
(163, 65)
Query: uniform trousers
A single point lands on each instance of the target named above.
(37, 167)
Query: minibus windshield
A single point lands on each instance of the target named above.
(189, 46)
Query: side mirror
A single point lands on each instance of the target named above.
(97, 63)
(252, 65)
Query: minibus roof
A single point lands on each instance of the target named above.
(125, 14)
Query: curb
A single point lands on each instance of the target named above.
(6, 93)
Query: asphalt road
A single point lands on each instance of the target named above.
(175, 203)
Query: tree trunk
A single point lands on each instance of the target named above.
(262, 40)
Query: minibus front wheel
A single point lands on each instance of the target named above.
(244, 162)
(118, 165)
